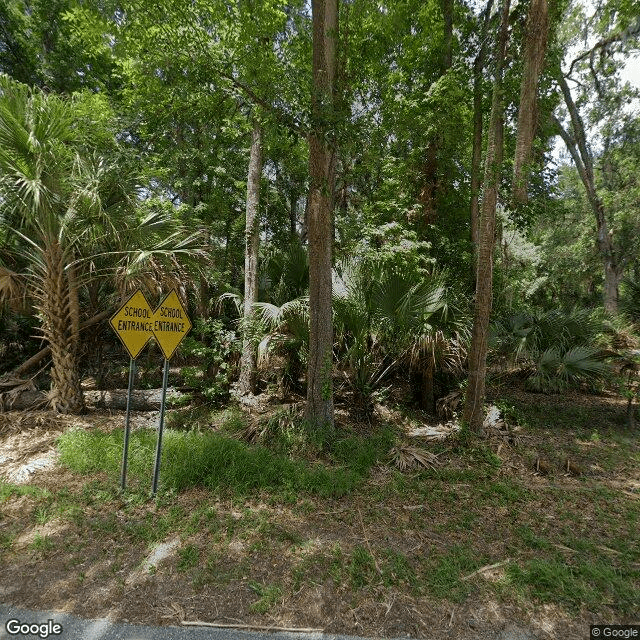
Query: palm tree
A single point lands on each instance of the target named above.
(66, 213)
(43, 186)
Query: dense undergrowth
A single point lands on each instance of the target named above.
(218, 461)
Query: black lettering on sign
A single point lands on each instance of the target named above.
(171, 327)
(136, 312)
(170, 313)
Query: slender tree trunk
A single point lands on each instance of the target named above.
(293, 213)
(319, 411)
(534, 52)
(431, 183)
(476, 154)
(60, 311)
(247, 381)
(576, 144)
(304, 233)
(473, 408)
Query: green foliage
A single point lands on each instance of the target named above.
(556, 371)
(630, 299)
(560, 347)
(283, 334)
(215, 349)
(284, 272)
(386, 316)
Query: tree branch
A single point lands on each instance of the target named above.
(618, 36)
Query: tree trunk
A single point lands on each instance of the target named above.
(431, 183)
(534, 53)
(319, 410)
(476, 154)
(247, 381)
(293, 213)
(61, 327)
(473, 413)
(580, 153)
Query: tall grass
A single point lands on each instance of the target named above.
(204, 459)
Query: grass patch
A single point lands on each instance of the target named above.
(269, 595)
(443, 574)
(396, 569)
(360, 454)
(43, 544)
(202, 459)
(188, 557)
(361, 568)
(505, 492)
(7, 490)
(530, 539)
(584, 581)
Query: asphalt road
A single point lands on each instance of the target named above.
(75, 628)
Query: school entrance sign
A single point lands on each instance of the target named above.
(170, 324)
(135, 324)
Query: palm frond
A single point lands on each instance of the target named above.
(406, 457)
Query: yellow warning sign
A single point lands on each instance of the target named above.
(170, 324)
(133, 323)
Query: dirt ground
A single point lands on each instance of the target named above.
(93, 566)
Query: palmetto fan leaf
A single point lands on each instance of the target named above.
(556, 369)
(287, 272)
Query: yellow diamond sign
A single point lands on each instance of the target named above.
(170, 324)
(133, 323)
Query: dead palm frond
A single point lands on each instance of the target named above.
(13, 289)
(406, 457)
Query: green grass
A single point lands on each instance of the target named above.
(443, 573)
(204, 459)
(396, 569)
(586, 580)
(531, 539)
(361, 568)
(43, 544)
(189, 557)
(269, 595)
(359, 453)
(8, 489)
(505, 492)
(571, 542)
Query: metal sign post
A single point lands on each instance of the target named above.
(156, 466)
(170, 326)
(132, 324)
(125, 451)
